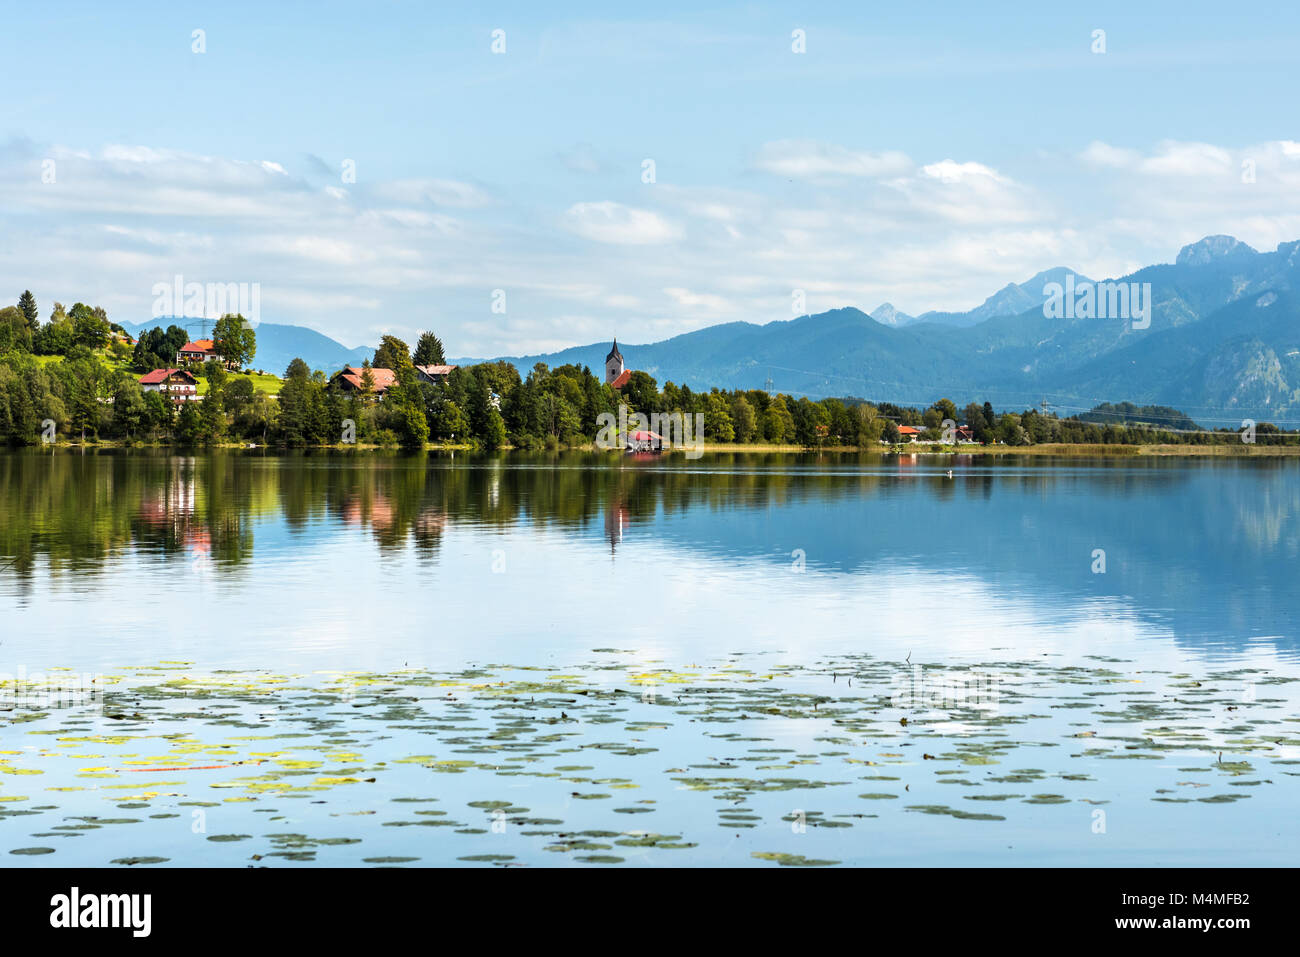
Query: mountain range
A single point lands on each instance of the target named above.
(1223, 344)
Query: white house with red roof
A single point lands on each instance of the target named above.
(199, 351)
(177, 384)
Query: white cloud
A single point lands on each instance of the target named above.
(414, 253)
(1188, 159)
(1169, 158)
(440, 192)
(610, 222)
(708, 302)
(1103, 154)
(814, 161)
(950, 171)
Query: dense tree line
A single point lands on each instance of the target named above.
(77, 371)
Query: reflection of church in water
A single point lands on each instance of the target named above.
(615, 522)
(616, 376)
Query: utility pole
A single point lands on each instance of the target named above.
(768, 385)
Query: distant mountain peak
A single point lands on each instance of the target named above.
(1055, 274)
(1212, 248)
(887, 315)
(1015, 298)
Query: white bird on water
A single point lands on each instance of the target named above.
(950, 473)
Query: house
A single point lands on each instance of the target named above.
(351, 379)
(434, 374)
(615, 375)
(909, 433)
(965, 433)
(176, 383)
(643, 440)
(199, 351)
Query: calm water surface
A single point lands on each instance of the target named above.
(572, 659)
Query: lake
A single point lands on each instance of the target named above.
(589, 660)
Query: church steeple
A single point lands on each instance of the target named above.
(613, 363)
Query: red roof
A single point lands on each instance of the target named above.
(198, 345)
(159, 376)
(622, 379)
(383, 378)
(643, 435)
(436, 370)
(909, 430)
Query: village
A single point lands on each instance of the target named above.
(639, 434)
(181, 385)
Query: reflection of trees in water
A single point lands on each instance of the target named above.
(77, 509)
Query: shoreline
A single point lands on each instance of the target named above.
(1064, 450)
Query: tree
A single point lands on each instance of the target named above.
(189, 424)
(89, 326)
(494, 432)
(446, 420)
(642, 393)
(717, 419)
(156, 349)
(83, 381)
(53, 339)
(743, 419)
(484, 417)
(391, 354)
(946, 408)
(428, 351)
(810, 422)
(160, 410)
(213, 413)
(239, 395)
(778, 424)
(404, 409)
(234, 340)
(15, 333)
(302, 419)
(978, 424)
(869, 425)
(130, 413)
(297, 369)
(27, 303)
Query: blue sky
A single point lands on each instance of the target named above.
(924, 157)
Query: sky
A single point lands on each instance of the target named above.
(380, 168)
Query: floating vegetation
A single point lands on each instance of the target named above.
(791, 860)
(505, 766)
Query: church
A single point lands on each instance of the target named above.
(615, 375)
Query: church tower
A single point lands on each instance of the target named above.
(613, 363)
